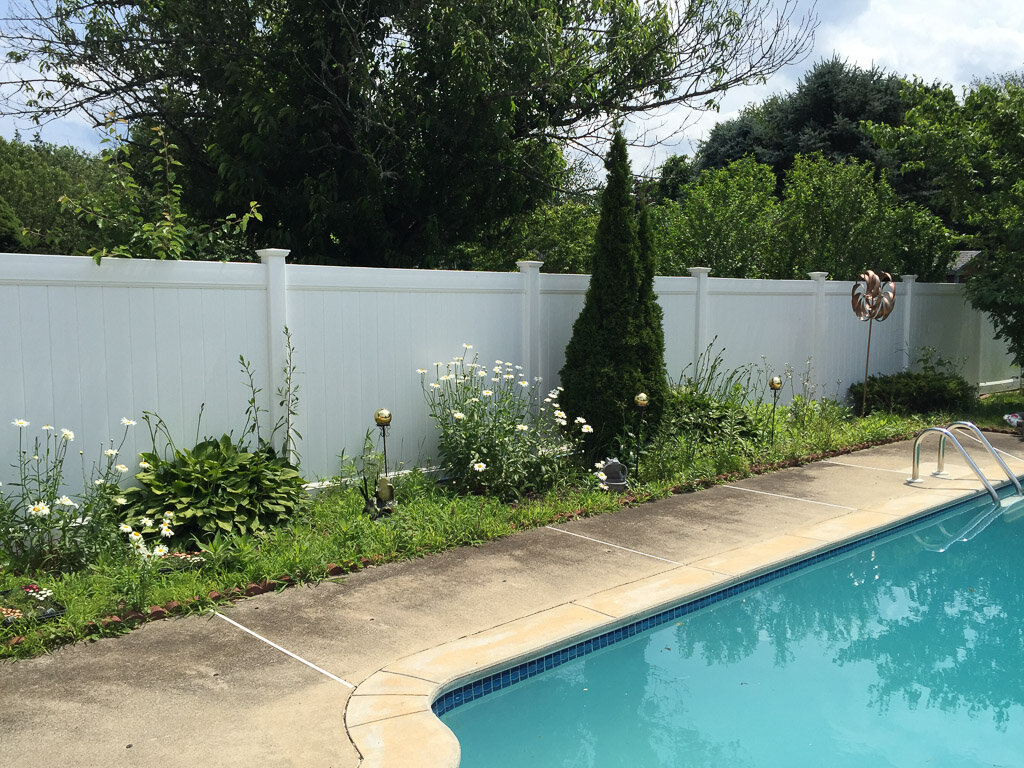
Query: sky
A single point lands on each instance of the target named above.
(950, 41)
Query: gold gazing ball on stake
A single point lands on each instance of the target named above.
(382, 417)
(641, 400)
(775, 383)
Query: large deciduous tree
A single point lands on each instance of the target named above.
(974, 150)
(382, 132)
(824, 114)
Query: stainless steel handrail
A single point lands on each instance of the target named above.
(972, 427)
(947, 435)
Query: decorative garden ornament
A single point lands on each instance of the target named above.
(874, 297)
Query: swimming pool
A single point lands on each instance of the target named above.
(903, 650)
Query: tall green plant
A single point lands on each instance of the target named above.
(151, 223)
(614, 352)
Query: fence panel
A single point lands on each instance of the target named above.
(84, 345)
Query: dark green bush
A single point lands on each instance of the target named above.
(219, 485)
(912, 392)
(617, 347)
(11, 240)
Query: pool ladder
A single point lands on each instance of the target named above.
(946, 433)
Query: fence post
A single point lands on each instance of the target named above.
(273, 260)
(908, 331)
(819, 332)
(530, 270)
(700, 324)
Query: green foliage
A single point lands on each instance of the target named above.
(383, 133)
(824, 114)
(842, 219)
(936, 388)
(43, 529)
(728, 221)
(560, 234)
(151, 223)
(973, 149)
(11, 240)
(616, 350)
(219, 485)
(709, 402)
(223, 484)
(496, 436)
(34, 176)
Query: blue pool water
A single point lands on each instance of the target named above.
(905, 651)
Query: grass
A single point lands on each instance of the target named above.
(332, 535)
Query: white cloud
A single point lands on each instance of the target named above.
(947, 40)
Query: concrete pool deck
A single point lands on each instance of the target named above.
(274, 686)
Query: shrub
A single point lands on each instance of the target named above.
(617, 347)
(219, 485)
(496, 434)
(916, 392)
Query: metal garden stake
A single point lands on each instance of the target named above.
(874, 297)
(642, 402)
(382, 417)
(776, 384)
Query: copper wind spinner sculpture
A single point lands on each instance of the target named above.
(874, 297)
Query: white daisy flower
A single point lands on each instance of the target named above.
(19, 423)
(479, 466)
(125, 421)
(67, 434)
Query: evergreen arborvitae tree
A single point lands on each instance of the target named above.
(650, 331)
(617, 344)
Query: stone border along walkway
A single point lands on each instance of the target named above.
(265, 681)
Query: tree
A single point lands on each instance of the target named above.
(839, 218)
(34, 176)
(11, 240)
(617, 348)
(728, 221)
(383, 132)
(824, 114)
(974, 150)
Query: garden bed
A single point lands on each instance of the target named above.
(28, 602)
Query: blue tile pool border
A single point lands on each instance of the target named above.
(464, 694)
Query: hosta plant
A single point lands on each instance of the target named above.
(219, 485)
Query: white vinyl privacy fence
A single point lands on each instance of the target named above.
(84, 345)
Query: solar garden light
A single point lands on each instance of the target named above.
(382, 416)
(642, 401)
(775, 383)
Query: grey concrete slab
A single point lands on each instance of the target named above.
(392, 611)
(686, 527)
(187, 691)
